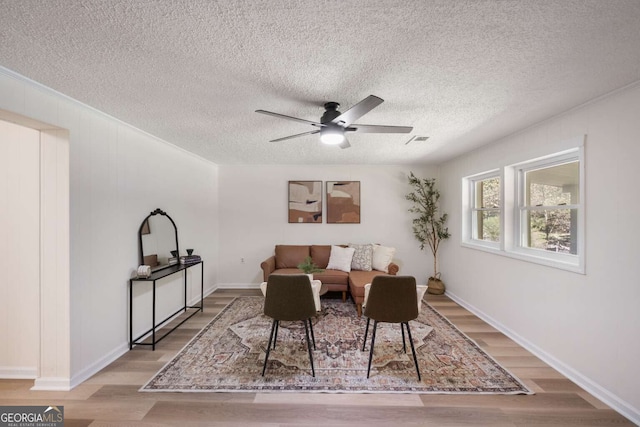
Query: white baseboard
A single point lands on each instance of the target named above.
(18, 372)
(86, 373)
(238, 286)
(191, 302)
(52, 384)
(618, 404)
(207, 291)
(98, 365)
(105, 361)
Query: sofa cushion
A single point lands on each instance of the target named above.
(330, 277)
(362, 257)
(340, 258)
(320, 255)
(357, 280)
(289, 256)
(335, 277)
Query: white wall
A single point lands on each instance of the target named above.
(586, 325)
(253, 212)
(117, 176)
(19, 250)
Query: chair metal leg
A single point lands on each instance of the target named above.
(373, 340)
(266, 357)
(404, 344)
(306, 331)
(313, 338)
(366, 331)
(413, 350)
(275, 337)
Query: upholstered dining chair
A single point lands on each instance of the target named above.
(391, 299)
(289, 298)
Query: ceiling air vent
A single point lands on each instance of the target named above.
(417, 139)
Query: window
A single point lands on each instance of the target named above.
(485, 213)
(532, 211)
(549, 211)
(548, 226)
(482, 207)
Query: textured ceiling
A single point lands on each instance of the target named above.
(463, 73)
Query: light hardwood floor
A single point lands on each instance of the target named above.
(111, 397)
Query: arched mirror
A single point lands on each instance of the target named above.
(158, 240)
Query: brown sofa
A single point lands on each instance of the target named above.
(287, 257)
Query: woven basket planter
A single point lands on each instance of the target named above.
(436, 286)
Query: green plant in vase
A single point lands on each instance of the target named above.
(308, 267)
(428, 226)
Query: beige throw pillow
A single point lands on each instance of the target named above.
(382, 257)
(340, 258)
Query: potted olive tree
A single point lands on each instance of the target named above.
(428, 227)
(308, 267)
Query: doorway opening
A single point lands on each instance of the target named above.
(40, 249)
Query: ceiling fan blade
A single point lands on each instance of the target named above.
(358, 110)
(345, 144)
(379, 129)
(311, 132)
(282, 116)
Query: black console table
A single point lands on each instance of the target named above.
(155, 276)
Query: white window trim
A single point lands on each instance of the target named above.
(510, 212)
(468, 206)
(517, 249)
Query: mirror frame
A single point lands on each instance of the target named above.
(140, 233)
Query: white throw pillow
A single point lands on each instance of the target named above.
(340, 258)
(382, 257)
(362, 257)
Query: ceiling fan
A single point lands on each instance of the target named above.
(333, 124)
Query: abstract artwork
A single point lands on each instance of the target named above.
(305, 202)
(343, 202)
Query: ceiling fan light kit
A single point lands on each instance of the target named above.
(332, 135)
(333, 124)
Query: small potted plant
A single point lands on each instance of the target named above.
(308, 267)
(428, 227)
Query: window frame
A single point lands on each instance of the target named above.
(470, 212)
(512, 196)
(571, 262)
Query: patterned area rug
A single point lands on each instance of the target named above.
(227, 355)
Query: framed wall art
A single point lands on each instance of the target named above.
(343, 202)
(305, 202)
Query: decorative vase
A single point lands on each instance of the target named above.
(189, 252)
(435, 285)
